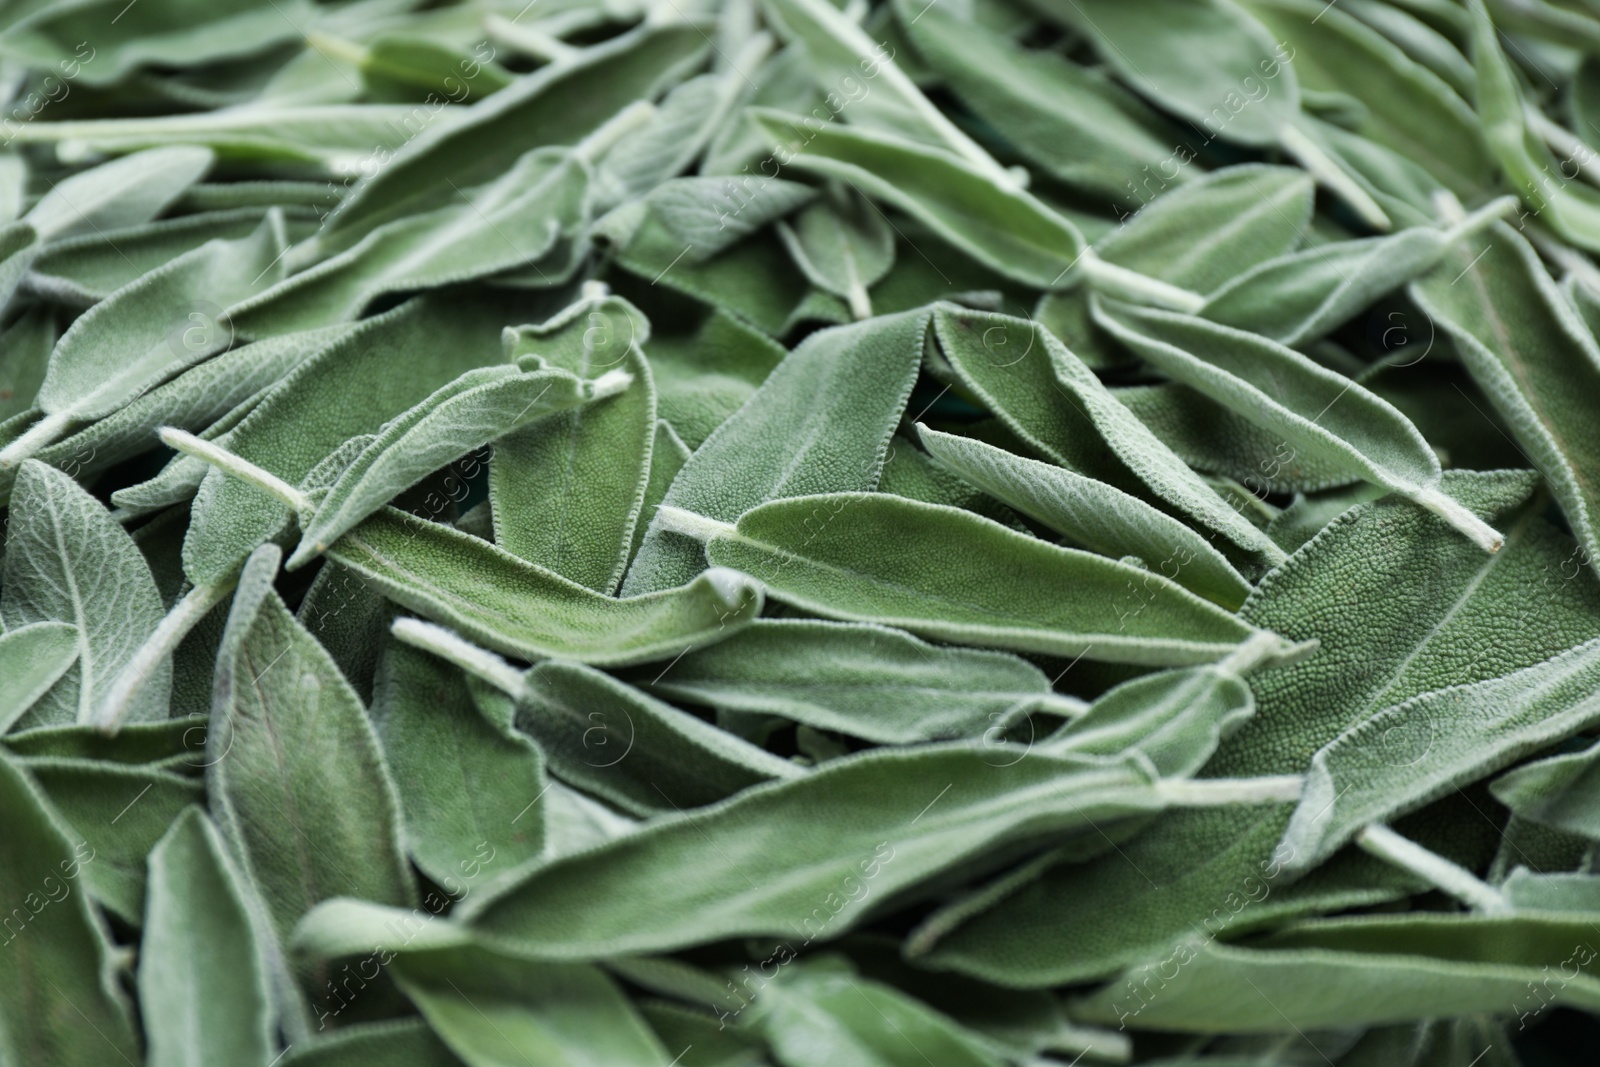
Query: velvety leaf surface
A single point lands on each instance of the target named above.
(68, 561)
(819, 423)
(202, 982)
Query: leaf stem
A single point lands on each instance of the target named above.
(1329, 174)
(624, 122)
(338, 48)
(1252, 652)
(1220, 792)
(610, 384)
(37, 436)
(177, 623)
(1130, 285)
(1481, 219)
(1563, 144)
(1447, 877)
(526, 39)
(240, 468)
(1481, 533)
(453, 648)
(1054, 703)
(699, 527)
(860, 302)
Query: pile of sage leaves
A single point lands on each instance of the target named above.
(783, 533)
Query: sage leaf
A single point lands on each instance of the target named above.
(1422, 42)
(1573, 210)
(1252, 213)
(395, 66)
(209, 394)
(1206, 62)
(170, 35)
(1355, 779)
(338, 137)
(1004, 228)
(567, 492)
(520, 609)
(182, 477)
(566, 1012)
(819, 1014)
(1175, 719)
(812, 883)
(753, 456)
(341, 390)
(60, 971)
(123, 192)
(168, 744)
(1402, 105)
(686, 119)
(121, 811)
(1019, 370)
(1244, 91)
(476, 408)
(1313, 408)
(32, 658)
(1301, 297)
(843, 245)
(1553, 792)
(562, 102)
(841, 55)
(511, 222)
(1386, 969)
(605, 736)
(686, 1028)
(865, 808)
(1439, 594)
(469, 787)
(284, 720)
(401, 1043)
(1214, 439)
(855, 556)
(68, 561)
(1072, 121)
(147, 331)
(81, 271)
(868, 681)
(632, 750)
(1092, 514)
(202, 981)
(1249, 214)
(1522, 343)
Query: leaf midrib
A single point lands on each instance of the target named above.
(85, 652)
